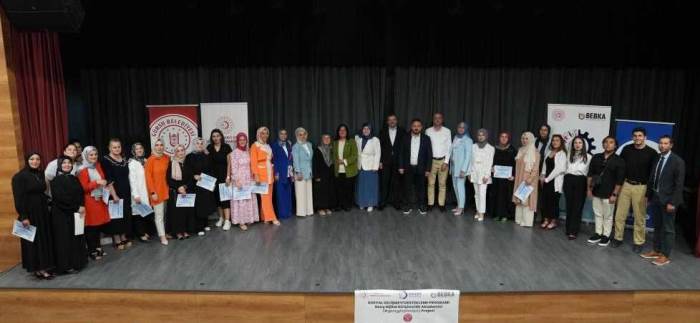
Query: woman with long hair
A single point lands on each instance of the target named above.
(345, 154)
(218, 160)
(552, 179)
(576, 185)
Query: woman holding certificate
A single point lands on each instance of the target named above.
(67, 201)
(504, 174)
(28, 187)
(156, 169)
(243, 212)
(116, 169)
(205, 203)
(218, 155)
(552, 179)
(527, 163)
(180, 182)
(261, 165)
(459, 164)
(92, 179)
(143, 223)
(576, 185)
(303, 153)
(480, 171)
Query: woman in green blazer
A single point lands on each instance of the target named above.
(345, 154)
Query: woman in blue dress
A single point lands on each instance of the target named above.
(459, 164)
(284, 174)
(369, 154)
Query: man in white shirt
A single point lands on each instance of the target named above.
(390, 137)
(441, 142)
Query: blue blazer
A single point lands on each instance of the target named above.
(281, 161)
(461, 155)
(303, 160)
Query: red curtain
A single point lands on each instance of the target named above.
(41, 96)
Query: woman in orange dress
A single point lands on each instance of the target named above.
(157, 184)
(92, 179)
(261, 165)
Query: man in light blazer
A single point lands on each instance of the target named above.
(415, 162)
(665, 195)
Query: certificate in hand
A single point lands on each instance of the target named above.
(502, 171)
(116, 209)
(523, 191)
(225, 192)
(185, 200)
(79, 224)
(142, 209)
(105, 195)
(259, 188)
(206, 182)
(27, 233)
(243, 193)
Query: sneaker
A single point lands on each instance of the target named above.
(220, 222)
(207, 228)
(407, 211)
(662, 260)
(200, 233)
(616, 243)
(370, 209)
(604, 241)
(651, 255)
(422, 211)
(227, 225)
(594, 239)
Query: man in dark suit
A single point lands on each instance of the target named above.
(416, 157)
(665, 195)
(390, 138)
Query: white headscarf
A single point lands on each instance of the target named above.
(93, 174)
(528, 153)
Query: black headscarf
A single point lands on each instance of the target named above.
(59, 168)
(26, 162)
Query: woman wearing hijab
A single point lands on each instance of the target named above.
(28, 187)
(67, 199)
(218, 158)
(303, 153)
(460, 158)
(576, 185)
(370, 153)
(527, 163)
(143, 223)
(283, 163)
(116, 169)
(552, 179)
(502, 188)
(480, 170)
(92, 179)
(261, 165)
(345, 154)
(205, 203)
(180, 181)
(156, 168)
(324, 179)
(243, 212)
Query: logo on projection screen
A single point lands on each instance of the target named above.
(173, 130)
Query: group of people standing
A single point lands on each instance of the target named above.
(398, 168)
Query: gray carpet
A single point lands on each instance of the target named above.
(383, 250)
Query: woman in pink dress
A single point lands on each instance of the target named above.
(239, 174)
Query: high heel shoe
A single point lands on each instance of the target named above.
(544, 224)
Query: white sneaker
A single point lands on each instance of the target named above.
(200, 233)
(370, 209)
(227, 225)
(220, 222)
(207, 228)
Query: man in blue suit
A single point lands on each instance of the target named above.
(665, 195)
(416, 157)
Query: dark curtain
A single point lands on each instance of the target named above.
(41, 95)
(316, 98)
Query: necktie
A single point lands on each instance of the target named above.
(659, 167)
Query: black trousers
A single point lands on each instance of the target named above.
(390, 185)
(575, 193)
(550, 202)
(92, 235)
(664, 227)
(415, 195)
(143, 225)
(345, 191)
